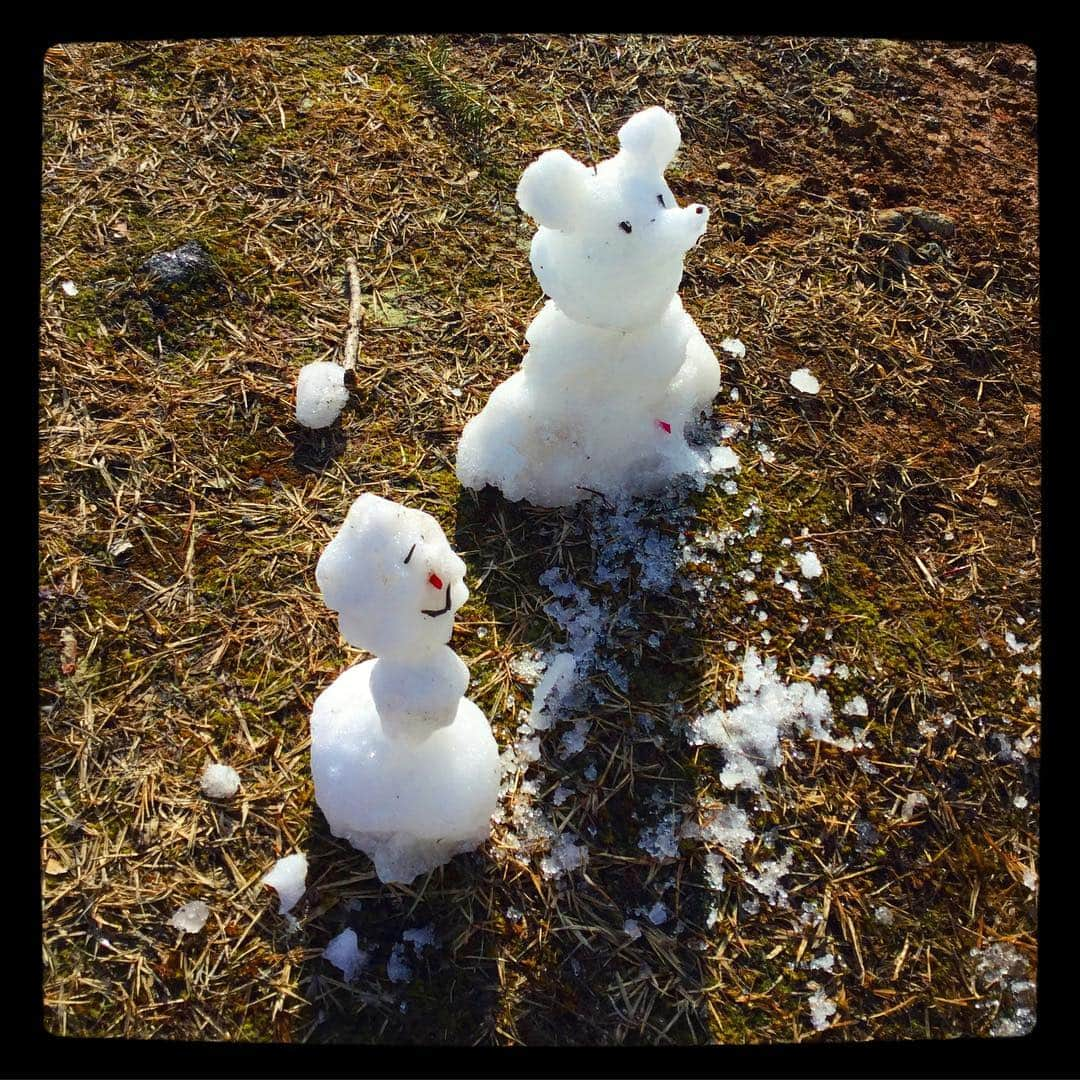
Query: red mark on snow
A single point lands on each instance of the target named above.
(436, 581)
(665, 425)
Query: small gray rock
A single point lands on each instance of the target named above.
(188, 261)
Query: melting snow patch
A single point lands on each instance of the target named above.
(191, 918)
(661, 840)
(821, 1008)
(749, 734)
(420, 938)
(396, 968)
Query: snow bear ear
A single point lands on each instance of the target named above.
(651, 137)
(553, 190)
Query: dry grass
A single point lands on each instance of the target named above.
(182, 513)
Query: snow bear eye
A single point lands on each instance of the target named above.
(660, 200)
(409, 556)
(626, 226)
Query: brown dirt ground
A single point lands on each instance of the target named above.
(182, 511)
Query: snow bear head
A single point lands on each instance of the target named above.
(393, 579)
(609, 249)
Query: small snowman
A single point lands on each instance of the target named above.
(616, 368)
(406, 768)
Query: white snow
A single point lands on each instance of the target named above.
(289, 877)
(821, 1008)
(804, 381)
(405, 767)
(220, 781)
(856, 707)
(733, 346)
(344, 954)
(616, 369)
(321, 394)
(749, 734)
(1014, 645)
(809, 564)
(70, 288)
(191, 918)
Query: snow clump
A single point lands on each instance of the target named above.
(191, 918)
(804, 381)
(344, 954)
(289, 877)
(321, 394)
(220, 781)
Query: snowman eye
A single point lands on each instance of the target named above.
(660, 200)
(409, 556)
(626, 226)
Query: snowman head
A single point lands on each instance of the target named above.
(393, 579)
(611, 241)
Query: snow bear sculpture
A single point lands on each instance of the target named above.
(406, 769)
(616, 368)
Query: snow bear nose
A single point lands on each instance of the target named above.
(435, 581)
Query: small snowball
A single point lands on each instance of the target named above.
(804, 381)
(321, 394)
(289, 877)
(809, 564)
(343, 953)
(220, 781)
(191, 918)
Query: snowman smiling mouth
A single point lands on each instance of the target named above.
(436, 614)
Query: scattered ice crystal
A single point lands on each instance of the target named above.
(821, 1008)
(1014, 645)
(70, 288)
(913, 802)
(809, 564)
(191, 918)
(421, 937)
(822, 963)
(883, 915)
(321, 394)
(792, 587)
(396, 968)
(343, 953)
(749, 734)
(804, 381)
(733, 346)
(658, 913)
(723, 457)
(661, 840)
(856, 706)
(220, 781)
(632, 929)
(819, 667)
(289, 877)
(1020, 802)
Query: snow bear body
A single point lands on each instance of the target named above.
(616, 368)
